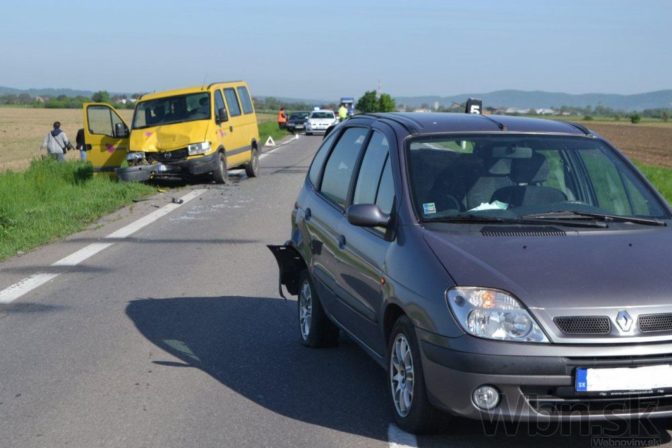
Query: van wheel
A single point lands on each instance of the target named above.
(412, 410)
(221, 174)
(315, 328)
(252, 168)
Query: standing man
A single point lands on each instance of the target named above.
(57, 142)
(342, 112)
(282, 118)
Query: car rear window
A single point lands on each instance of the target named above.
(322, 115)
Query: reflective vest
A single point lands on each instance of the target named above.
(282, 117)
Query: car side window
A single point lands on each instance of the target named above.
(371, 169)
(318, 160)
(341, 163)
(245, 100)
(232, 101)
(385, 196)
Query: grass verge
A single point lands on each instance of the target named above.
(660, 177)
(270, 129)
(51, 200)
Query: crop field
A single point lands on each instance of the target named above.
(22, 131)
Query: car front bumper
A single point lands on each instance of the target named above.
(536, 386)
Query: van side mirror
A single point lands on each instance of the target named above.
(222, 116)
(120, 130)
(367, 215)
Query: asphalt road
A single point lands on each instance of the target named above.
(175, 336)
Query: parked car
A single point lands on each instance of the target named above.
(191, 131)
(297, 121)
(319, 121)
(497, 267)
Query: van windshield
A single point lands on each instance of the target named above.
(172, 109)
(524, 176)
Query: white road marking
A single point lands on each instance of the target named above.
(398, 438)
(277, 147)
(20, 288)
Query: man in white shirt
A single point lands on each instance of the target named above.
(56, 142)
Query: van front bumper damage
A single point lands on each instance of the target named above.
(164, 166)
(537, 382)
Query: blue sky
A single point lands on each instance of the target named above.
(327, 49)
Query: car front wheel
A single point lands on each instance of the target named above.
(315, 328)
(412, 410)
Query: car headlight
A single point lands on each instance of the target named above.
(493, 314)
(135, 155)
(198, 148)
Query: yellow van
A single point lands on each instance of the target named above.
(192, 131)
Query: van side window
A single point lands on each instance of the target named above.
(219, 102)
(232, 101)
(341, 163)
(320, 157)
(371, 169)
(245, 100)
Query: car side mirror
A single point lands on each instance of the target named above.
(367, 215)
(120, 130)
(222, 116)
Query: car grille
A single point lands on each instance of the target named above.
(168, 156)
(655, 323)
(584, 325)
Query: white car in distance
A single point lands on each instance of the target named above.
(319, 121)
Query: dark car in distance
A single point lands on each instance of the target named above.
(297, 121)
(497, 267)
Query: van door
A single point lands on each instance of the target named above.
(106, 136)
(239, 152)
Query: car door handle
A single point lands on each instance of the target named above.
(230, 128)
(307, 214)
(341, 242)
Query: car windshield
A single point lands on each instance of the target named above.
(298, 115)
(322, 115)
(172, 109)
(508, 177)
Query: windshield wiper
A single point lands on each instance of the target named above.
(572, 214)
(531, 220)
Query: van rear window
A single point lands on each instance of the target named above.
(245, 100)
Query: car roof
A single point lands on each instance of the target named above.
(426, 123)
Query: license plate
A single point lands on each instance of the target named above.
(623, 379)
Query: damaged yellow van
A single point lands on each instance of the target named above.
(184, 132)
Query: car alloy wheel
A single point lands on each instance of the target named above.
(305, 309)
(402, 375)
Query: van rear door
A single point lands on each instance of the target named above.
(106, 136)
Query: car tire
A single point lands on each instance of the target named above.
(315, 328)
(221, 173)
(309, 133)
(252, 168)
(412, 410)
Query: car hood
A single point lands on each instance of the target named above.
(168, 137)
(591, 269)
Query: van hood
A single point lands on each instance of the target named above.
(585, 269)
(168, 137)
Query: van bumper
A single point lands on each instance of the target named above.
(534, 388)
(199, 165)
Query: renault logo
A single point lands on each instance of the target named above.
(624, 321)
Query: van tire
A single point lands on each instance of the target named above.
(221, 174)
(252, 168)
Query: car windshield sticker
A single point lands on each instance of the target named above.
(429, 208)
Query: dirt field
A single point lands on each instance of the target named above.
(22, 132)
(651, 145)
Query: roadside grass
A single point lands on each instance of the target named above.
(270, 128)
(660, 177)
(51, 200)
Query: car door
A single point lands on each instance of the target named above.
(106, 136)
(324, 216)
(363, 250)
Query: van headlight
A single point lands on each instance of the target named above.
(133, 156)
(198, 148)
(493, 314)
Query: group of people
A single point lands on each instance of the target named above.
(56, 143)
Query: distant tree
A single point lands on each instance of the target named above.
(386, 103)
(665, 116)
(635, 118)
(587, 118)
(368, 102)
(101, 96)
